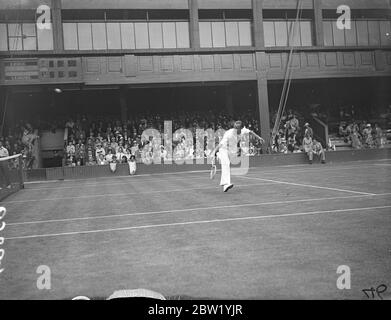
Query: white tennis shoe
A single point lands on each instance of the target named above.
(228, 187)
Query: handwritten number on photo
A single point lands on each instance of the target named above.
(372, 292)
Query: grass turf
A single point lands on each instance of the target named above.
(281, 232)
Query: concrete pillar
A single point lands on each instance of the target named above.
(264, 114)
(263, 97)
(318, 23)
(194, 24)
(259, 37)
(57, 26)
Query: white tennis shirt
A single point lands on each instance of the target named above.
(231, 138)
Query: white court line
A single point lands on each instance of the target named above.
(129, 194)
(120, 177)
(319, 169)
(99, 184)
(206, 171)
(199, 222)
(252, 169)
(190, 209)
(307, 185)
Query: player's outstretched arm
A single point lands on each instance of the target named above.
(257, 136)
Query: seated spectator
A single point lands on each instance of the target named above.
(367, 136)
(90, 160)
(105, 143)
(283, 148)
(113, 144)
(307, 146)
(113, 164)
(71, 150)
(99, 137)
(71, 161)
(109, 155)
(318, 150)
(294, 124)
(355, 139)
(292, 143)
(80, 153)
(7, 144)
(15, 149)
(127, 152)
(124, 159)
(279, 142)
(120, 154)
(99, 151)
(341, 129)
(132, 165)
(101, 160)
(291, 126)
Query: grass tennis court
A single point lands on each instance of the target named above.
(281, 232)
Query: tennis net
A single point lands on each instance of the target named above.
(11, 175)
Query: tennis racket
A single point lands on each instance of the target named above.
(213, 168)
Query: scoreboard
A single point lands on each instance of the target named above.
(40, 71)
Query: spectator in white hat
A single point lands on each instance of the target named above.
(308, 129)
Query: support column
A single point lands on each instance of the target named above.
(318, 23)
(259, 37)
(264, 114)
(194, 27)
(263, 97)
(57, 26)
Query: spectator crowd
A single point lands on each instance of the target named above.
(103, 140)
(96, 141)
(289, 136)
(20, 140)
(362, 135)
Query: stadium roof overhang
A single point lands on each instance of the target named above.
(42, 88)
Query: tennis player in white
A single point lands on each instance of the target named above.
(228, 147)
